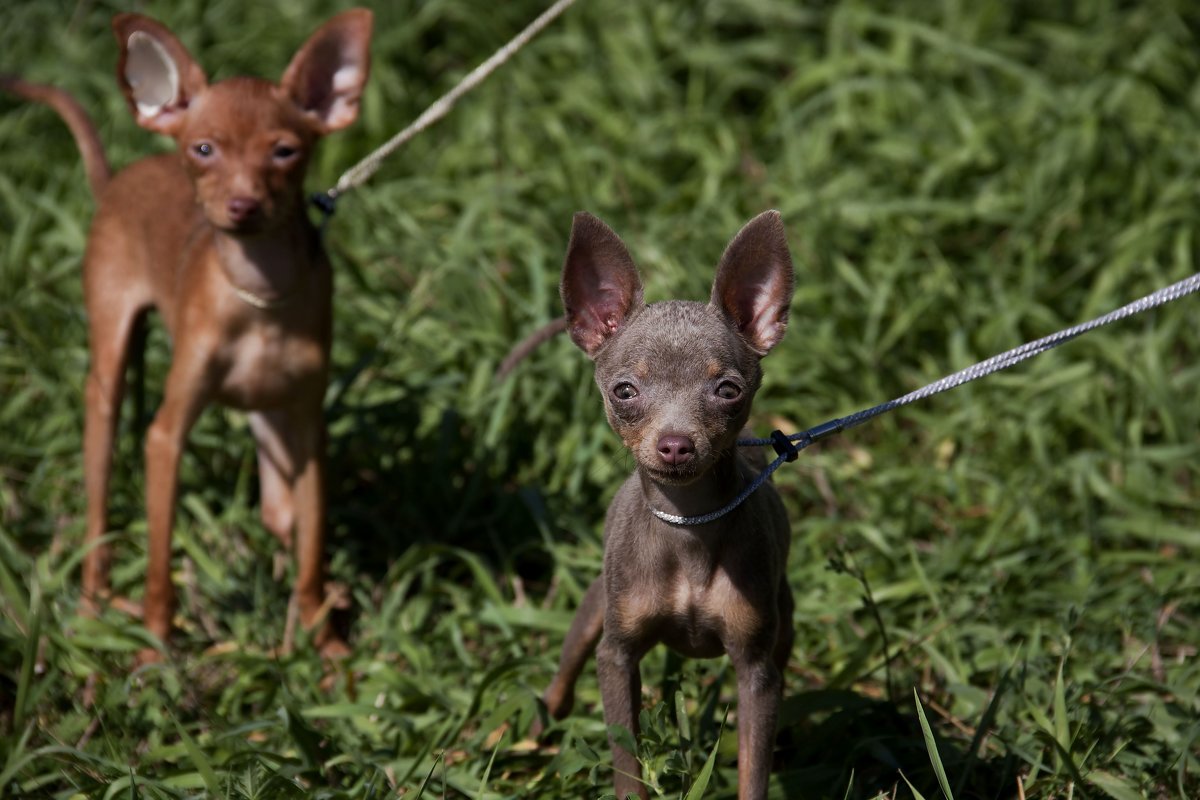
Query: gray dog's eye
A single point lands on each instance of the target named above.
(728, 390)
(625, 391)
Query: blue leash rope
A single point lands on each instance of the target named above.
(789, 446)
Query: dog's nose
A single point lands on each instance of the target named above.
(676, 450)
(242, 208)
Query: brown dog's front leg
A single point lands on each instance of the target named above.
(184, 399)
(617, 664)
(309, 494)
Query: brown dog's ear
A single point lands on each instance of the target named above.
(327, 74)
(753, 287)
(158, 76)
(600, 284)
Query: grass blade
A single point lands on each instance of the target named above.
(487, 772)
(30, 654)
(705, 775)
(1062, 730)
(200, 761)
(931, 747)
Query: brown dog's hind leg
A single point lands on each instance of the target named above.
(110, 330)
(276, 475)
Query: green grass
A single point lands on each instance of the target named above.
(956, 178)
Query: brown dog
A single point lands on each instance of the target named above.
(215, 238)
(677, 380)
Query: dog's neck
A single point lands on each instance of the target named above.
(266, 268)
(712, 490)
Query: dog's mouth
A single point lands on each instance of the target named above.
(671, 475)
(239, 220)
(255, 223)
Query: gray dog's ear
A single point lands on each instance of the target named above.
(600, 284)
(753, 287)
(157, 75)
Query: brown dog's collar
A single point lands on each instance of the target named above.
(263, 303)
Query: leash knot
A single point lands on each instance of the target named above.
(784, 446)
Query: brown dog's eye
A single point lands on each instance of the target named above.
(728, 390)
(283, 152)
(203, 149)
(625, 391)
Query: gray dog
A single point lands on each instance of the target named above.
(677, 379)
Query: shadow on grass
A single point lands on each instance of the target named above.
(393, 485)
(839, 743)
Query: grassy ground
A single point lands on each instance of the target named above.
(1019, 555)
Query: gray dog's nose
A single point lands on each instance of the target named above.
(676, 450)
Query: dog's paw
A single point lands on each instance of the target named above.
(334, 648)
(537, 728)
(147, 656)
(126, 606)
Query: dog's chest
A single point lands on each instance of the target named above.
(705, 614)
(268, 365)
(691, 605)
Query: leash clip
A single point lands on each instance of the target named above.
(325, 202)
(825, 429)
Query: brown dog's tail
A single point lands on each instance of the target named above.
(86, 137)
(527, 345)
